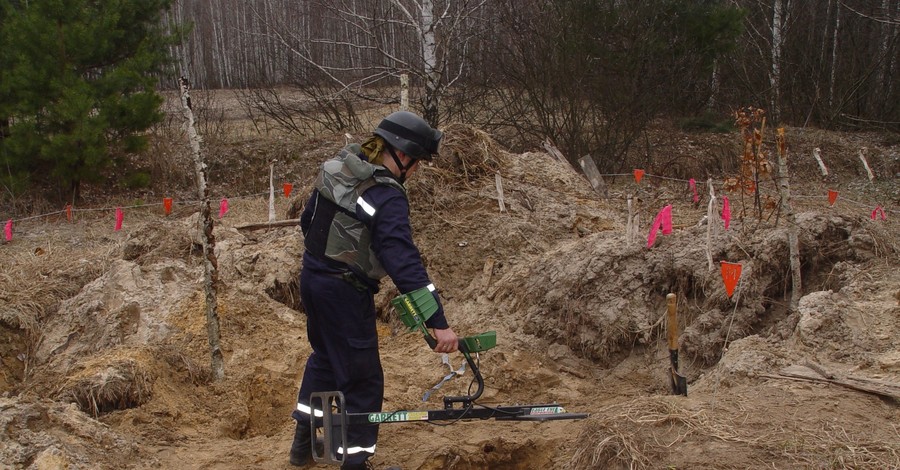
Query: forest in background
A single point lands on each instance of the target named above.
(589, 76)
(836, 58)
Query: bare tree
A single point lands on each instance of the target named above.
(366, 44)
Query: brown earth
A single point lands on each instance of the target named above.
(104, 355)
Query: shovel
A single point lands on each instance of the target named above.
(678, 381)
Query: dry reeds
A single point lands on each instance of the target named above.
(467, 155)
(43, 270)
(116, 380)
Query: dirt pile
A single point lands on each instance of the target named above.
(115, 373)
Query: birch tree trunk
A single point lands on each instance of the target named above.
(834, 54)
(429, 59)
(775, 72)
(884, 71)
(784, 191)
(713, 87)
(205, 222)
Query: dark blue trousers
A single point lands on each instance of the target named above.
(340, 326)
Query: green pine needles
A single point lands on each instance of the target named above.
(77, 87)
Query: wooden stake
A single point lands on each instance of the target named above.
(552, 150)
(818, 157)
(862, 156)
(628, 227)
(499, 181)
(593, 175)
(710, 220)
(272, 192)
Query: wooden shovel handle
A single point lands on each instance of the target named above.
(672, 321)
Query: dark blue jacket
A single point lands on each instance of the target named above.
(391, 241)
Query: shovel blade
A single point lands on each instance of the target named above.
(676, 380)
(679, 383)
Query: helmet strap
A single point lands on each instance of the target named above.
(403, 168)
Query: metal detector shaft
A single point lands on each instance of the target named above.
(335, 420)
(332, 418)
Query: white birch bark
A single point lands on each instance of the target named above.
(784, 191)
(834, 54)
(775, 72)
(208, 240)
(429, 59)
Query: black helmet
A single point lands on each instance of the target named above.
(410, 134)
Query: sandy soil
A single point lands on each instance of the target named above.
(104, 359)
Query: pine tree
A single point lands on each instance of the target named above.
(77, 87)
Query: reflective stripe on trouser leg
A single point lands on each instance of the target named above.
(306, 410)
(357, 450)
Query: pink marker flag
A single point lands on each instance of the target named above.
(223, 207)
(878, 210)
(667, 219)
(8, 230)
(693, 186)
(662, 220)
(119, 217)
(726, 212)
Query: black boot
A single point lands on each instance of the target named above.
(301, 448)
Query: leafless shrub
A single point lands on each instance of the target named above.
(304, 110)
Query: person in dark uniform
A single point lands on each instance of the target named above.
(356, 231)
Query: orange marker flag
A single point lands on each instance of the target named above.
(8, 230)
(731, 273)
(69, 212)
(288, 187)
(167, 205)
(638, 174)
(832, 196)
(119, 217)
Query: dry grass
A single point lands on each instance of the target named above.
(641, 433)
(469, 158)
(467, 155)
(114, 380)
(43, 268)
